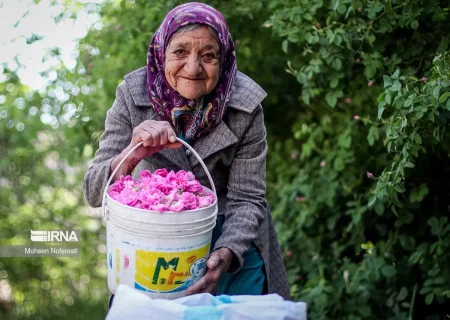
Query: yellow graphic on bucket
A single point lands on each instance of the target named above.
(169, 271)
(117, 265)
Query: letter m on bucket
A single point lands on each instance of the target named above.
(165, 271)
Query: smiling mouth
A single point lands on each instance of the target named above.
(192, 79)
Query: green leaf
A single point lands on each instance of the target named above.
(409, 164)
(436, 92)
(373, 135)
(284, 46)
(435, 230)
(400, 188)
(447, 106)
(431, 116)
(388, 271)
(387, 81)
(332, 96)
(396, 86)
(435, 271)
(388, 97)
(342, 9)
(396, 74)
(408, 101)
(381, 97)
(439, 280)
(307, 16)
(415, 24)
(380, 112)
(405, 304)
(390, 302)
(339, 164)
(444, 97)
(402, 294)
(417, 138)
(425, 290)
(379, 208)
(337, 64)
(370, 71)
(345, 140)
(331, 99)
(336, 5)
(334, 83)
(429, 298)
(306, 97)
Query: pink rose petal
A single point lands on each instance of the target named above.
(161, 172)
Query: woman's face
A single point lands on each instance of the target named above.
(192, 63)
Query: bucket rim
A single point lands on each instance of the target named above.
(168, 231)
(162, 236)
(109, 198)
(215, 213)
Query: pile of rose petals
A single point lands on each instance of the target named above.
(161, 191)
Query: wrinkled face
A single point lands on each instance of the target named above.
(192, 63)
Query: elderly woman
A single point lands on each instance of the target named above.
(191, 89)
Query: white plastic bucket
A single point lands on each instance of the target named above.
(158, 254)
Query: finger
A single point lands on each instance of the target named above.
(160, 132)
(170, 132)
(156, 136)
(145, 137)
(211, 288)
(163, 132)
(213, 260)
(212, 281)
(198, 286)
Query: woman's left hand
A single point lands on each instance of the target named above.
(218, 263)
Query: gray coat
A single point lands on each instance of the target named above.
(234, 152)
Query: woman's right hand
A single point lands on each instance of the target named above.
(155, 136)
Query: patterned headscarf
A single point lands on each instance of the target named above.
(190, 118)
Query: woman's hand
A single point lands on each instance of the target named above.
(218, 263)
(155, 136)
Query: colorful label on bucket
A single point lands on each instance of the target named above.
(169, 271)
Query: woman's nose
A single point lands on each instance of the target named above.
(193, 66)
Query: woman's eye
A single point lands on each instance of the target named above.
(209, 56)
(179, 52)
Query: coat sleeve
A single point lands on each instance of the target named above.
(246, 198)
(115, 138)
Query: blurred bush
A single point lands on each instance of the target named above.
(357, 118)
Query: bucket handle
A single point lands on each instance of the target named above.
(137, 146)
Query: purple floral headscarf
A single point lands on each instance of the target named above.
(190, 118)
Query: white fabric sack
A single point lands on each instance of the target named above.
(129, 304)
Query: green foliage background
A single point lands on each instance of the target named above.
(357, 114)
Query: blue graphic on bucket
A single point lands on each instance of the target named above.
(183, 287)
(110, 261)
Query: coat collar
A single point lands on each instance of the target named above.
(246, 96)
